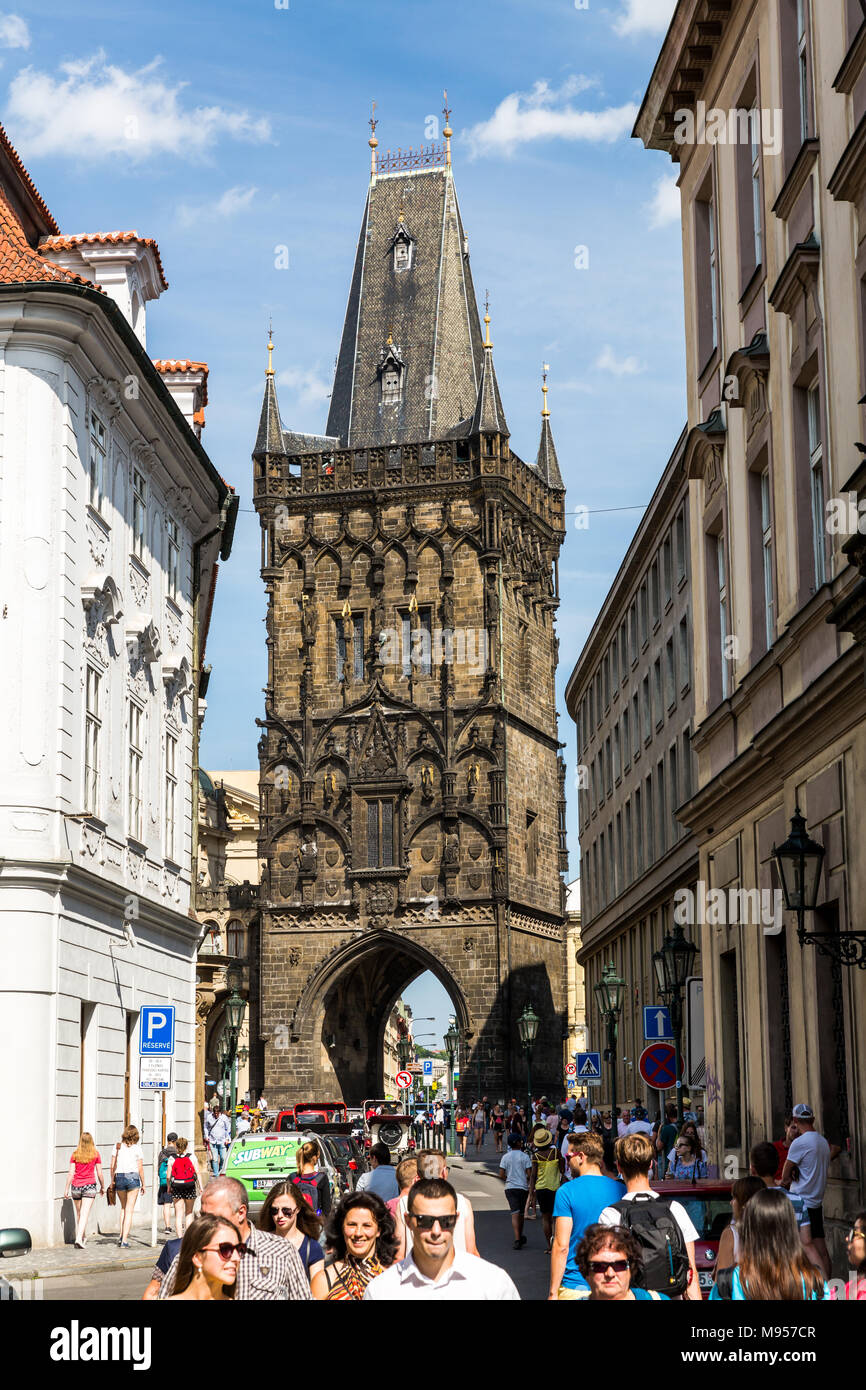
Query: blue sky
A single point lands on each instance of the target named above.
(227, 131)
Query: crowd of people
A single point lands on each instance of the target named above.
(610, 1231)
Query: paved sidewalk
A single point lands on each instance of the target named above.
(99, 1256)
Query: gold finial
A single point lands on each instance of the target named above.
(390, 338)
(270, 370)
(447, 132)
(413, 604)
(373, 142)
(346, 611)
(545, 368)
(487, 342)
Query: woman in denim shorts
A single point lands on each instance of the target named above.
(85, 1169)
(127, 1174)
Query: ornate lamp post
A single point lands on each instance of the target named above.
(452, 1043)
(608, 994)
(674, 963)
(527, 1028)
(222, 1052)
(800, 860)
(236, 1007)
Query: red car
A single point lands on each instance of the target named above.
(708, 1204)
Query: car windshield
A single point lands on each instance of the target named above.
(708, 1215)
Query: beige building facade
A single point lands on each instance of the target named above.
(575, 1037)
(631, 696)
(761, 104)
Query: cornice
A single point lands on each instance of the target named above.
(852, 65)
(848, 178)
(800, 272)
(794, 184)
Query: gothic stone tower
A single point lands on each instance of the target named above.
(412, 792)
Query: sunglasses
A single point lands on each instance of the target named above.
(602, 1266)
(284, 1211)
(227, 1248)
(426, 1223)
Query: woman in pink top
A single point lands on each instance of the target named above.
(85, 1169)
(856, 1287)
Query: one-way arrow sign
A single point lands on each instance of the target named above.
(657, 1022)
(589, 1066)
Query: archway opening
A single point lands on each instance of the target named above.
(358, 1017)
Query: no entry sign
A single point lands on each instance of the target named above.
(403, 1080)
(657, 1066)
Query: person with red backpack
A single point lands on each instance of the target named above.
(182, 1177)
(662, 1228)
(311, 1181)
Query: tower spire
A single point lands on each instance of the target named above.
(373, 142)
(269, 439)
(489, 417)
(447, 132)
(546, 461)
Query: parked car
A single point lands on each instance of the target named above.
(708, 1203)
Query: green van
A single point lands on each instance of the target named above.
(260, 1161)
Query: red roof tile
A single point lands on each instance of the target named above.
(69, 243)
(19, 263)
(26, 180)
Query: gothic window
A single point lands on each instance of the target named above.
(380, 833)
(417, 646)
(391, 385)
(531, 843)
(357, 647)
(402, 253)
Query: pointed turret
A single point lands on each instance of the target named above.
(546, 461)
(269, 439)
(489, 417)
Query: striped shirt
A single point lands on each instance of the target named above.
(271, 1270)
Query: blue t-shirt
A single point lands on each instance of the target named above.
(167, 1255)
(310, 1252)
(582, 1201)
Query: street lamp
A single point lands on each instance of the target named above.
(452, 1042)
(527, 1028)
(800, 860)
(222, 1052)
(608, 994)
(235, 1009)
(674, 964)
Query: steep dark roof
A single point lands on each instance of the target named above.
(546, 461)
(429, 311)
(295, 443)
(489, 417)
(269, 439)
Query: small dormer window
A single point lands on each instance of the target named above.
(402, 253)
(391, 385)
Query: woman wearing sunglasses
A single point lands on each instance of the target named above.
(208, 1262)
(609, 1259)
(286, 1213)
(361, 1245)
(687, 1162)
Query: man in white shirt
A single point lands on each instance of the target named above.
(634, 1156)
(217, 1134)
(639, 1127)
(811, 1155)
(433, 1269)
(622, 1125)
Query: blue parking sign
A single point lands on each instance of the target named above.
(156, 1030)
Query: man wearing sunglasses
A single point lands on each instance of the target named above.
(433, 1269)
(270, 1267)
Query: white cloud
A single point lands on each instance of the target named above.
(546, 113)
(665, 205)
(645, 17)
(13, 32)
(96, 109)
(619, 366)
(233, 201)
(306, 389)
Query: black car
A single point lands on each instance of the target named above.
(349, 1158)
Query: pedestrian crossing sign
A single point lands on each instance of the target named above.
(589, 1068)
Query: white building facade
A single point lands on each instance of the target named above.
(112, 519)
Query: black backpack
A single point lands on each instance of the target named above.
(656, 1230)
